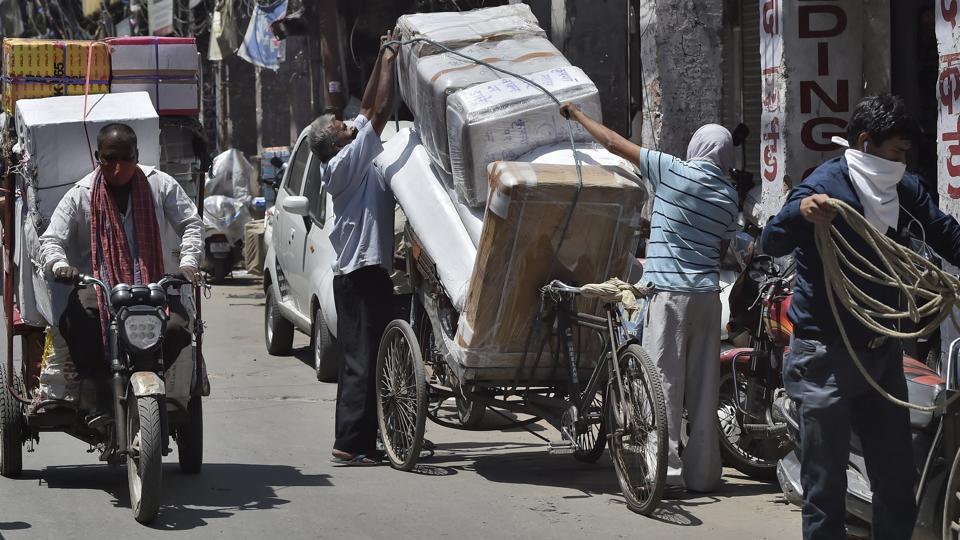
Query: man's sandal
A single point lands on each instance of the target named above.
(346, 459)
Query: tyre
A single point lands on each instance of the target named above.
(401, 395)
(190, 438)
(326, 351)
(637, 415)
(754, 456)
(11, 428)
(951, 502)
(470, 413)
(221, 269)
(144, 466)
(278, 332)
(593, 439)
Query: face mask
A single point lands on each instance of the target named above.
(875, 180)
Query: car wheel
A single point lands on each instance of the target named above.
(326, 351)
(278, 332)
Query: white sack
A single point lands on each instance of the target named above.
(504, 119)
(426, 82)
(406, 168)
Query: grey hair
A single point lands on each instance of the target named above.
(321, 138)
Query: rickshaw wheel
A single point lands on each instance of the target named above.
(638, 430)
(11, 428)
(401, 395)
(951, 504)
(592, 441)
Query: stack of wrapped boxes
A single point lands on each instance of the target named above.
(59, 94)
(488, 178)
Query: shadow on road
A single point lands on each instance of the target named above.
(189, 501)
(13, 525)
(243, 280)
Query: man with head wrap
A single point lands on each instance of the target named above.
(694, 217)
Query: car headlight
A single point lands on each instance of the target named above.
(143, 332)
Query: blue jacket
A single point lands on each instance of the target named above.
(789, 232)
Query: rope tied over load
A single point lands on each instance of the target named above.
(927, 290)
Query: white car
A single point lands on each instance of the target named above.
(298, 275)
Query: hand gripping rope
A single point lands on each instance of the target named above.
(900, 267)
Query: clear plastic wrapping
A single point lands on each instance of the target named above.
(504, 119)
(228, 215)
(431, 79)
(527, 207)
(456, 29)
(231, 175)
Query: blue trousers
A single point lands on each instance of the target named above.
(834, 398)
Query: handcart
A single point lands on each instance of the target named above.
(589, 378)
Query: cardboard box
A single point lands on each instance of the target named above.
(165, 67)
(267, 170)
(38, 68)
(527, 207)
(457, 29)
(426, 82)
(59, 144)
(504, 119)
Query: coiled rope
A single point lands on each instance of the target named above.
(900, 267)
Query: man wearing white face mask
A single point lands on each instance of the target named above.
(833, 397)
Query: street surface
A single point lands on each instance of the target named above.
(269, 430)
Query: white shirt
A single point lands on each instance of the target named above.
(362, 232)
(67, 238)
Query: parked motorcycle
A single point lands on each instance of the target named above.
(223, 219)
(752, 439)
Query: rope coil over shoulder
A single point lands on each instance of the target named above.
(927, 290)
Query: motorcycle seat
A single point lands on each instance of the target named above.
(924, 387)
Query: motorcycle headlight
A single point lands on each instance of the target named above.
(143, 332)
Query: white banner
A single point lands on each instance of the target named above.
(772, 119)
(160, 15)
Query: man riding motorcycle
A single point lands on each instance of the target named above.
(115, 224)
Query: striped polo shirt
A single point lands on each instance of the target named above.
(695, 208)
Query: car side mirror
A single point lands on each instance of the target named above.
(296, 205)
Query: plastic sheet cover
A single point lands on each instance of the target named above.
(521, 231)
(231, 175)
(457, 29)
(504, 119)
(406, 167)
(428, 81)
(228, 215)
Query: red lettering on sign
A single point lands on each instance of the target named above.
(948, 9)
(806, 15)
(953, 151)
(823, 59)
(808, 88)
(770, 16)
(948, 87)
(809, 137)
(771, 138)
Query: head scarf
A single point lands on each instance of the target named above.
(714, 144)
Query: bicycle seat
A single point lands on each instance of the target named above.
(924, 386)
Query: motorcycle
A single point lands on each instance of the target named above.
(224, 218)
(752, 439)
(141, 425)
(936, 440)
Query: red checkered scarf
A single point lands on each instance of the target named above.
(113, 260)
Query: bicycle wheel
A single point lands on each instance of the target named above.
(593, 438)
(638, 425)
(401, 395)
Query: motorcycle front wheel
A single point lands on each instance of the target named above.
(754, 455)
(144, 459)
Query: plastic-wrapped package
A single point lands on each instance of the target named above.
(432, 78)
(228, 215)
(521, 231)
(456, 29)
(406, 167)
(58, 374)
(231, 175)
(504, 119)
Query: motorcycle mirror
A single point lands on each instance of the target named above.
(740, 134)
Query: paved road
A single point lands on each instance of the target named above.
(269, 428)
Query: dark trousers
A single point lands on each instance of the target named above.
(834, 398)
(364, 308)
(80, 327)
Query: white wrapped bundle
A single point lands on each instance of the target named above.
(406, 167)
(58, 375)
(456, 29)
(504, 119)
(433, 78)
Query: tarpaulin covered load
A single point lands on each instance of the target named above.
(165, 67)
(425, 83)
(39, 68)
(527, 207)
(408, 171)
(504, 119)
(457, 29)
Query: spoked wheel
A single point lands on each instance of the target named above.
(469, 414)
(11, 428)
(754, 455)
(951, 503)
(401, 395)
(144, 456)
(592, 440)
(638, 430)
